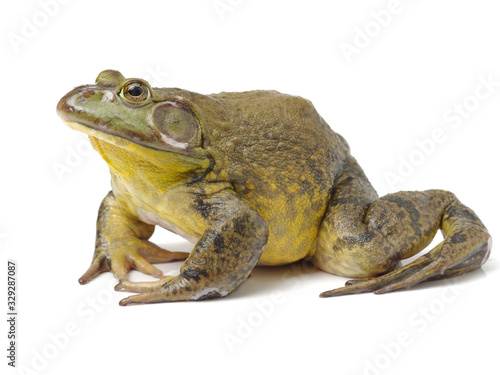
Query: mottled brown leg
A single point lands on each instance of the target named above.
(362, 235)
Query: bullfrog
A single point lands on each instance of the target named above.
(252, 178)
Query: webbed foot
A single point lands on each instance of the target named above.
(437, 264)
(133, 253)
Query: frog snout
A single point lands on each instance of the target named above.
(82, 99)
(66, 105)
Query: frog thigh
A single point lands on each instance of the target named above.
(346, 245)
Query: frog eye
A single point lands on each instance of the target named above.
(135, 92)
(176, 123)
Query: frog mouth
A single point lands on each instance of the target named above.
(154, 155)
(100, 131)
(106, 136)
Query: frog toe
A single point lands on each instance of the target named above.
(99, 265)
(141, 264)
(355, 287)
(141, 299)
(420, 275)
(155, 254)
(168, 288)
(148, 253)
(142, 287)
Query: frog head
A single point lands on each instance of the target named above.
(129, 112)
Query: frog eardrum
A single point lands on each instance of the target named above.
(176, 122)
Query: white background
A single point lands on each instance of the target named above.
(424, 61)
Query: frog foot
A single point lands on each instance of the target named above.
(428, 267)
(170, 289)
(134, 253)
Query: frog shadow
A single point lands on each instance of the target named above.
(262, 281)
(265, 280)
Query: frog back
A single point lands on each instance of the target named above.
(281, 156)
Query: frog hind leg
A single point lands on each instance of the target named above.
(365, 236)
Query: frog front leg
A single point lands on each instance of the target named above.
(122, 244)
(222, 259)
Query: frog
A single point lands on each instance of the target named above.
(252, 178)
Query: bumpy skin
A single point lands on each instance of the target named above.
(251, 178)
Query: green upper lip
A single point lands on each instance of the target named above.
(65, 110)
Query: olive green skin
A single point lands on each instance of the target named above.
(251, 178)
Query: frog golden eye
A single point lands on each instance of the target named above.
(135, 92)
(177, 124)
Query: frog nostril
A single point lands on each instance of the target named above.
(87, 93)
